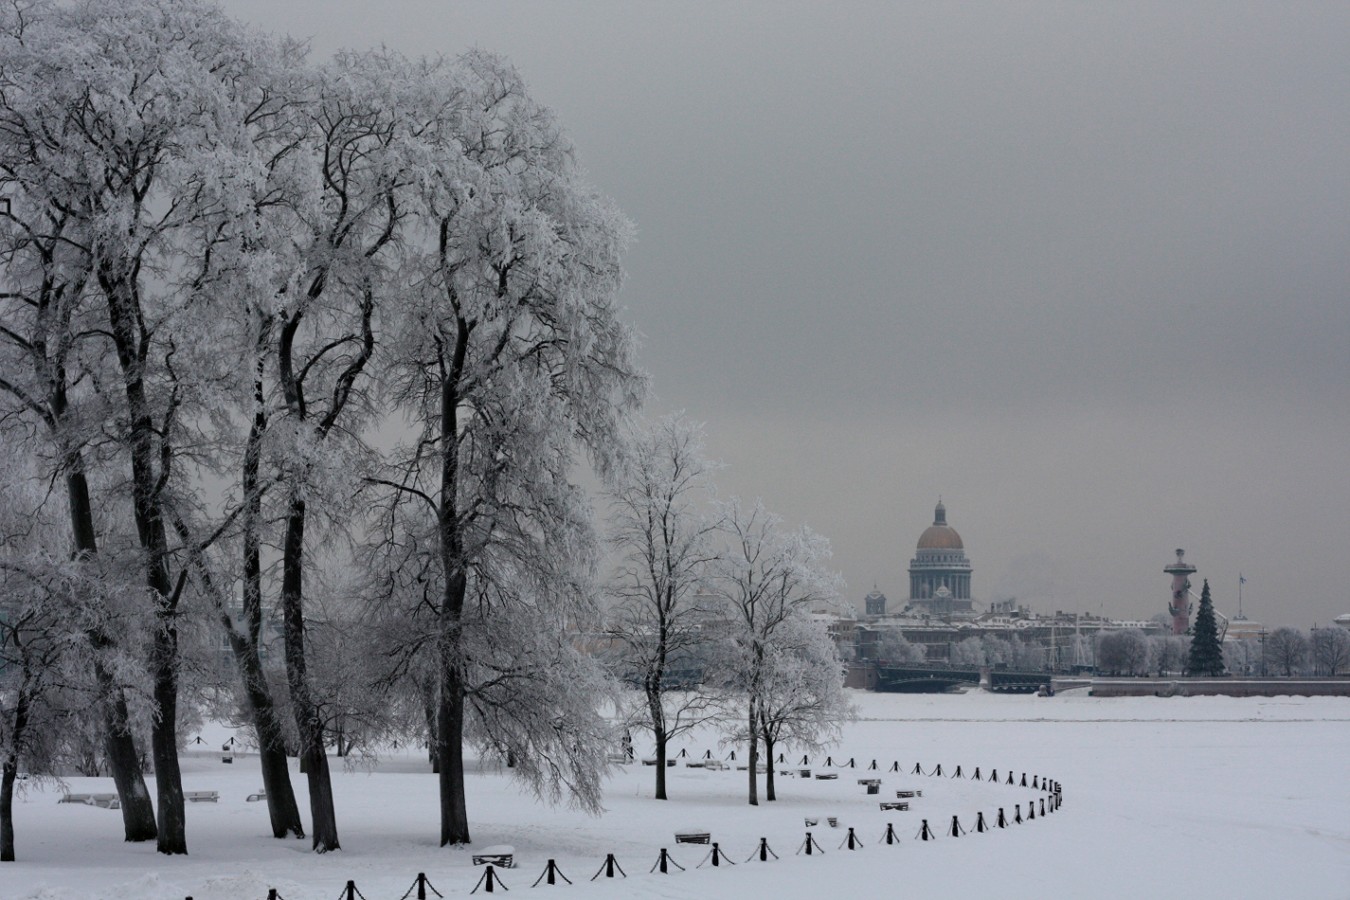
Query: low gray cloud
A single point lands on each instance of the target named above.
(1081, 268)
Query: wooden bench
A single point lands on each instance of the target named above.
(201, 796)
(826, 776)
(652, 762)
(869, 781)
(692, 836)
(894, 804)
(714, 765)
(502, 855)
(908, 794)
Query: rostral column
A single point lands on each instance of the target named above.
(1180, 607)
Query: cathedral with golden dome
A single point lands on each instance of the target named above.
(939, 573)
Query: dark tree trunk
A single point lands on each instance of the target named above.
(752, 757)
(282, 809)
(124, 760)
(769, 795)
(164, 742)
(307, 718)
(659, 736)
(17, 727)
(450, 717)
(150, 458)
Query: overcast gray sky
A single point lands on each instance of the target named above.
(1083, 270)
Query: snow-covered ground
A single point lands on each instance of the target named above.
(1177, 797)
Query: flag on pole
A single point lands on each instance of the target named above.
(1241, 580)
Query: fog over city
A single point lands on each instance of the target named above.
(1078, 269)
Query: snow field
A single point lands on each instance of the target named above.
(1250, 792)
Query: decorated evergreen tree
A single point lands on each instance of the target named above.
(1206, 656)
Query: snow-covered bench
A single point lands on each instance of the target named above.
(903, 795)
(693, 836)
(898, 805)
(104, 801)
(715, 765)
(826, 776)
(813, 821)
(201, 796)
(503, 855)
(254, 798)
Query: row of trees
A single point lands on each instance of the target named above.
(331, 342)
(715, 600)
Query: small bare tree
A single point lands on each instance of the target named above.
(660, 610)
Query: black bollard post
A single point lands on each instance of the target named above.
(1018, 817)
(926, 833)
(763, 851)
(890, 836)
(1024, 779)
(1002, 819)
(957, 773)
(707, 754)
(780, 759)
(551, 872)
(829, 760)
(662, 862)
(1031, 811)
(272, 894)
(1034, 778)
(937, 771)
(732, 757)
(610, 865)
(976, 776)
(850, 763)
(851, 841)
(873, 766)
(489, 882)
(980, 826)
(895, 767)
(683, 753)
(804, 757)
(1042, 806)
(993, 775)
(956, 829)
(810, 846)
(1010, 778)
(349, 892)
(918, 769)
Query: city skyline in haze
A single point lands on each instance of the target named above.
(1079, 269)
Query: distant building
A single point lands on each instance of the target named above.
(875, 603)
(939, 573)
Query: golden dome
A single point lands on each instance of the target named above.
(940, 535)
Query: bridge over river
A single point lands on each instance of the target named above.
(940, 679)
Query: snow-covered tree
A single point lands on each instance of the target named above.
(660, 528)
(802, 702)
(766, 578)
(1123, 652)
(507, 353)
(968, 652)
(1286, 651)
(893, 647)
(115, 119)
(1330, 649)
(1168, 653)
